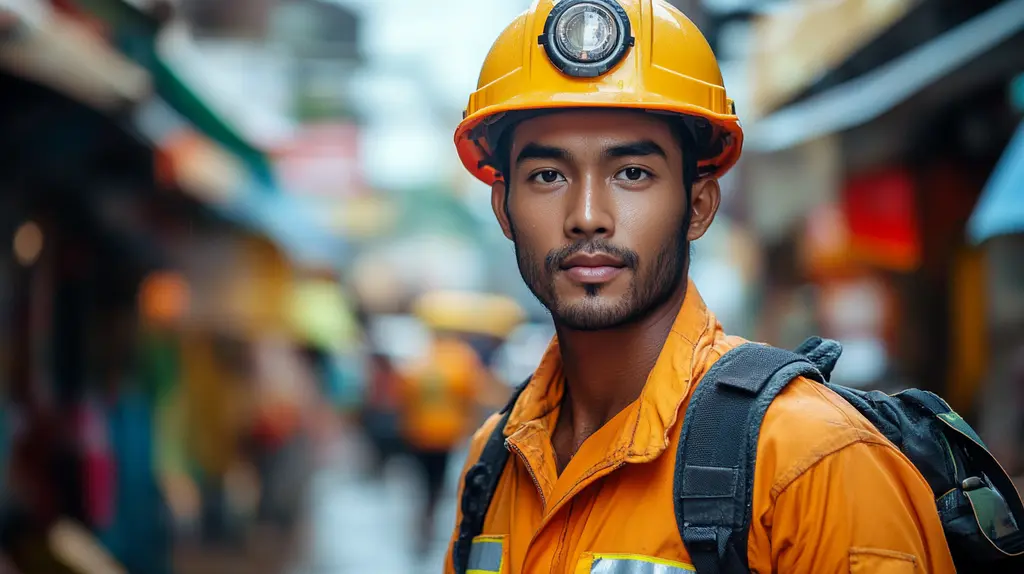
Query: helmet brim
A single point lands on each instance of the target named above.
(475, 148)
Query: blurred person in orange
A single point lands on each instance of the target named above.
(443, 393)
(602, 127)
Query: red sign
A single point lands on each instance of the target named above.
(882, 219)
(321, 160)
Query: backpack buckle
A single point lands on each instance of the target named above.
(710, 539)
(710, 549)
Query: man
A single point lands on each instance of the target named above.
(602, 127)
(380, 412)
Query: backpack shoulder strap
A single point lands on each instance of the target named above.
(714, 475)
(480, 483)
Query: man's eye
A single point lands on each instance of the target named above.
(633, 174)
(547, 176)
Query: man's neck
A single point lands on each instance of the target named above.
(606, 370)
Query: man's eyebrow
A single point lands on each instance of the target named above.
(636, 149)
(538, 151)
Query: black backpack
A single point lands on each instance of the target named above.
(977, 503)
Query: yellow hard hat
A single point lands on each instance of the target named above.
(469, 312)
(626, 54)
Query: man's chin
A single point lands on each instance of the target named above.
(592, 315)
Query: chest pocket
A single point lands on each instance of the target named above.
(597, 563)
(486, 555)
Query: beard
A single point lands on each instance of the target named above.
(652, 284)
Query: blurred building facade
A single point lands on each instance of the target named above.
(873, 129)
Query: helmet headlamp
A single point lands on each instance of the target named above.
(586, 38)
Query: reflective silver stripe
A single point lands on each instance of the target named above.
(485, 556)
(626, 566)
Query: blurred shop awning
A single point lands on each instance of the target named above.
(216, 176)
(66, 54)
(874, 93)
(220, 180)
(188, 159)
(801, 40)
(151, 40)
(188, 101)
(1000, 211)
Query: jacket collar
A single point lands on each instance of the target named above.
(683, 360)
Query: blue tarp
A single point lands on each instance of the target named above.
(293, 223)
(1000, 211)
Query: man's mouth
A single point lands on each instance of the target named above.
(591, 268)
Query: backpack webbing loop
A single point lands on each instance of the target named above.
(714, 479)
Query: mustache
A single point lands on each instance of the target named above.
(555, 258)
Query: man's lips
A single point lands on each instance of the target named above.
(593, 267)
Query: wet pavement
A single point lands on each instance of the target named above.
(358, 524)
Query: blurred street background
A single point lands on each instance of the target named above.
(251, 304)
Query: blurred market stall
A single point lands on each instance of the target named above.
(158, 277)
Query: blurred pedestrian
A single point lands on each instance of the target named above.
(444, 393)
(379, 416)
(287, 387)
(438, 400)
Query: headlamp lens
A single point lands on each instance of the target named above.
(586, 33)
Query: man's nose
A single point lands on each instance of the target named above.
(591, 210)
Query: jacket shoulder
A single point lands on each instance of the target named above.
(479, 439)
(806, 423)
(484, 432)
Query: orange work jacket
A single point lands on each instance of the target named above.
(439, 396)
(831, 494)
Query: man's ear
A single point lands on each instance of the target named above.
(498, 192)
(704, 202)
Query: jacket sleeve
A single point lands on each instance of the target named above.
(863, 508)
(476, 446)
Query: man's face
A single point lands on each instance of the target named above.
(597, 211)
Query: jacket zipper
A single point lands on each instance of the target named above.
(513, 448)
(529, 470)
(558, 562)
(603, 473)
